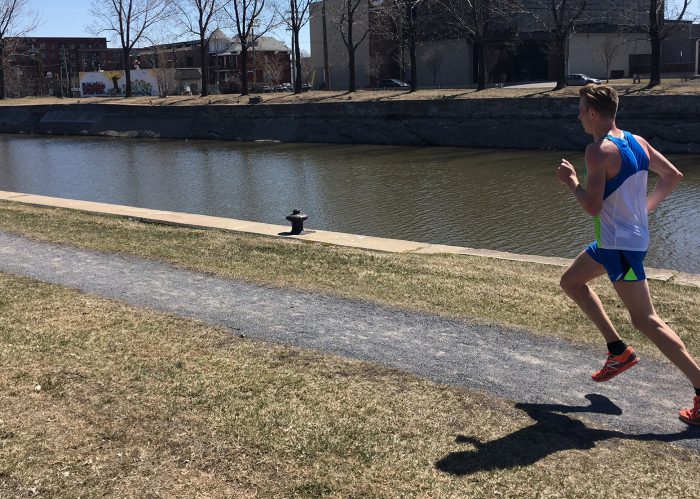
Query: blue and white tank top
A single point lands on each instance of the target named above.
(622, 222)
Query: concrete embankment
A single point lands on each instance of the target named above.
(313, 236)
(672, 123)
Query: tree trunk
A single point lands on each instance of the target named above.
(414, 65)
(351, 69)
(244, 69)
(2, 72)
(560, 62)
(297, 64)
(205, 77)
(655, 76)
(656, 21)
(326, 73)
(351, 53)
(127, 71)
(481, 65)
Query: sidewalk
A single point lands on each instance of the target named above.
(505, 362)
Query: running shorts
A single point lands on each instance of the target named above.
(620, 264)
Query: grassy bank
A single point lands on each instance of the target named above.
(669, 86)
(99, 399)
(514, 293)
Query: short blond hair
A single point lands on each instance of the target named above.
(602, 98)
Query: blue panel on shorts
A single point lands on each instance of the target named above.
(621, 265)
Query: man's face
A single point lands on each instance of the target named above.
(584, 115)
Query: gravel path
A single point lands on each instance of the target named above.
(542, 374)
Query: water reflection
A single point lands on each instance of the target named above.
(506, 200)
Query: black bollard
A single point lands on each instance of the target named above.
(297, 218)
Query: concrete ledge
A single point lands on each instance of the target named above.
(317, 236)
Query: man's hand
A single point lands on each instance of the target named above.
(566, 174)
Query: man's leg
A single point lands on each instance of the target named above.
(637, 299)
(574, 282)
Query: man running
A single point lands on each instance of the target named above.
(615, 194)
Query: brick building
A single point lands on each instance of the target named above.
(268, 61)
(42, 65)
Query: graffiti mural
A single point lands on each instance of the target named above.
(141, 87)
(113, 83)
(90, 89)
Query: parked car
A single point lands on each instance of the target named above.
(392, 83)
(581, 79)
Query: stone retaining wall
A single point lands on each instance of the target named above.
(672, 123)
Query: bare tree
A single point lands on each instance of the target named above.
(433, 58)
(199, 17)
(559, 17)
(273, 69)
(251, 19)
(307, 70)
(401, 23)
(663, 21)
(16, 19)
(129, 21)
(473, 20)
(351, 18)
(163, 64)
(296, 18)
(606, 52)
(374, 66)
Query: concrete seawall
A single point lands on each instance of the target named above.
(672, 123)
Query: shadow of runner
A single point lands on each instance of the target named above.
(551, 433)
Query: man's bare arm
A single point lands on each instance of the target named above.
(590, 198)
(669, 176)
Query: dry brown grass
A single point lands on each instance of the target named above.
(485, 289)
(99, 399)
(625, 87)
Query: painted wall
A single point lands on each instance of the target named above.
(106, 83)
(585, 52)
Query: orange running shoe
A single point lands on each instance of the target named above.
(616, 364)
(691, 416)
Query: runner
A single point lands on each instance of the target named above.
(615, 194)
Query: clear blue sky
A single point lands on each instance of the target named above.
(69, 18)
(66, 18)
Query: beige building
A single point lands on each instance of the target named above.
(337, 52)
(589, 53)
(451, 63)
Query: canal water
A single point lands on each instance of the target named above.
(502, 200)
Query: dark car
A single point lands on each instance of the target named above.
(580, 79)
(392, 83)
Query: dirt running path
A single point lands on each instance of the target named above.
(551, 374)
